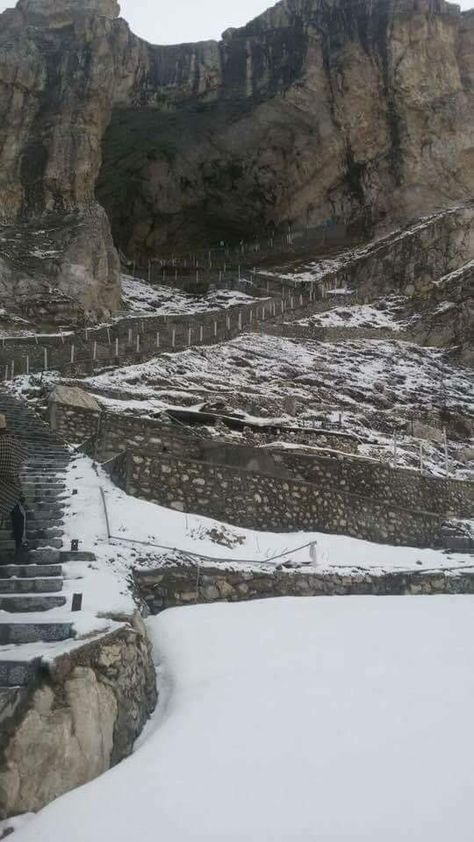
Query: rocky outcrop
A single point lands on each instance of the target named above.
(57, 76)
(60, 267)
(83, 717)
(313, 113)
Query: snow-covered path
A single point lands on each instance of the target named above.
(303, 720)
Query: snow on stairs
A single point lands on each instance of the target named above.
(31, 587)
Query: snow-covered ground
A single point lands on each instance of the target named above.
(384, 314)
(338, 720)
(143, 298)
(13, 325)
(368, 388)
(147, 535)
(266, 368)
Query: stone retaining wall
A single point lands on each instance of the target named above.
(392, 263)
(330, 472)
(393, 486)
(270, 489)
(172, 586)
(276, 504)
(81, 717)
(119, 432)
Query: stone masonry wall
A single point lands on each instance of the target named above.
(118, 432)
(171, 586)
(356, 475)
(270, 489)
(258, 501)
(81, 717)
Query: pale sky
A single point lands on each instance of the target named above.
(175, 21)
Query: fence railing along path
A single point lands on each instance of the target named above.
(222, 257)
(136, 339)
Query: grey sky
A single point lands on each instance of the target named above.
(190, 20)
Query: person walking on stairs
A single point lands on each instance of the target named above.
(12, 457)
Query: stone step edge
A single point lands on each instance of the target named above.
(73, 647)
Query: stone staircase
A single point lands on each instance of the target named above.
(31, 591)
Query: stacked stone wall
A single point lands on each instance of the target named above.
(270, 489)
(270, 503)
(119, 432)
(173, 586)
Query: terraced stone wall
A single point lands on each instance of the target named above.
(121, 432)
(272, 490)
(276, 504)
(330, 472)
(165, 588)
(367, 477)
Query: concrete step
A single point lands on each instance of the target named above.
(37, 528)
(43, 519)
(24, 604)
(29, 571)
(46, 482)
(18, 673)
(24, 632)
(45, 496)
(25, 585)
(37, 474)
(7, 548)
(52, 508)
(42, 497)
(44, 543)
(44, 468)
(42, 479)
(33, 533)
(67, 556)
(30, 557)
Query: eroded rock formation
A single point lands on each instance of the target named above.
(314, 112)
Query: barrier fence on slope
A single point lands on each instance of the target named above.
(135, 340)
(224, 257)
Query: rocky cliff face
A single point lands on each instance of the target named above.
(57, 78)
(313, 112)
